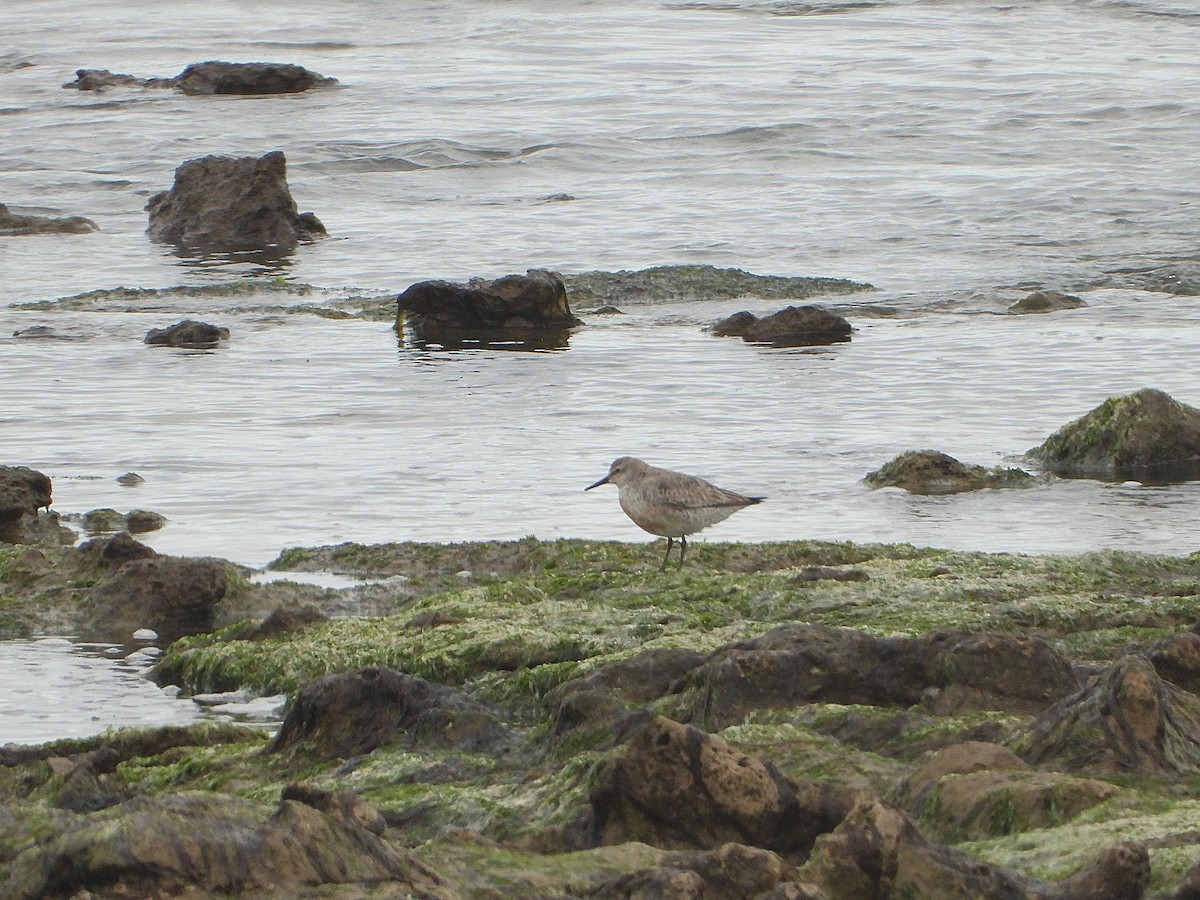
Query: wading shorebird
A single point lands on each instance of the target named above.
(670, 504)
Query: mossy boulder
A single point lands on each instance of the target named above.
(1147, 436)
(934, 472)
(1046, 301)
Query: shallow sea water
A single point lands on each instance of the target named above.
(956, 155)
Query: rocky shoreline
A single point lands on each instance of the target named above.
(560, 719)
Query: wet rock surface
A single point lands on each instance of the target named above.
(188, 333)
(223, 203)
(934, 472)
(213, 77)
(1146, 436)
(795, 326)
(173, 597)
(1046, 301)
(12, 224)
(512, 306)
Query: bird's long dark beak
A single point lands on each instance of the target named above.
(603, 480)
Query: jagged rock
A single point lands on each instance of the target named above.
(877, 851)
(1046, 301)
(118, 549)
(1145, 436)
(23, 493)
(675, 787)
(1125, 720)
(180, 844)
(349, 714)
(215, 77)
(172, 596)
(103, 80)
(188, 333)
(13, 224)
(793, 665)
(222, 203)
(933, 472)
(483, 309)
(795, 326)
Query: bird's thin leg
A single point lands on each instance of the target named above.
(663, 567)
(682, 550)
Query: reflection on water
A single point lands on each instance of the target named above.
(55, 688)
(529, 340)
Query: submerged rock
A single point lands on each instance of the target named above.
(1046, 301)
(12, 224)
(222, 203)
(1146, 436)
(189, 334)
(795, 326)
(934, 472)
(700, 283)
(212, 77)
(514, 306)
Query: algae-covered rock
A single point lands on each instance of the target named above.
(1046, 301)
(795, 326)
(1146, 436)
(933, 472)
(102, 521)
(1126, 720)
(662, 283)
(339, 716)
(793, 665)
(180, 843)
(23, 492)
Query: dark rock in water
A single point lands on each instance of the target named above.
(792, 665)
(130, 479)
(662, 283)
(1180, 278)
(222, 203)
(140, 521)
(23, 491)
(13, 224)
(172, 596)
(42, 333)
(248, 78)
(212, 78)
(99, 521)
(350, 714)
(933, 472)
(1046, 301)
(209, 844)
(795, 326)
(1126, 720)
(1145, 436)
(487, 309)
(188, 333)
